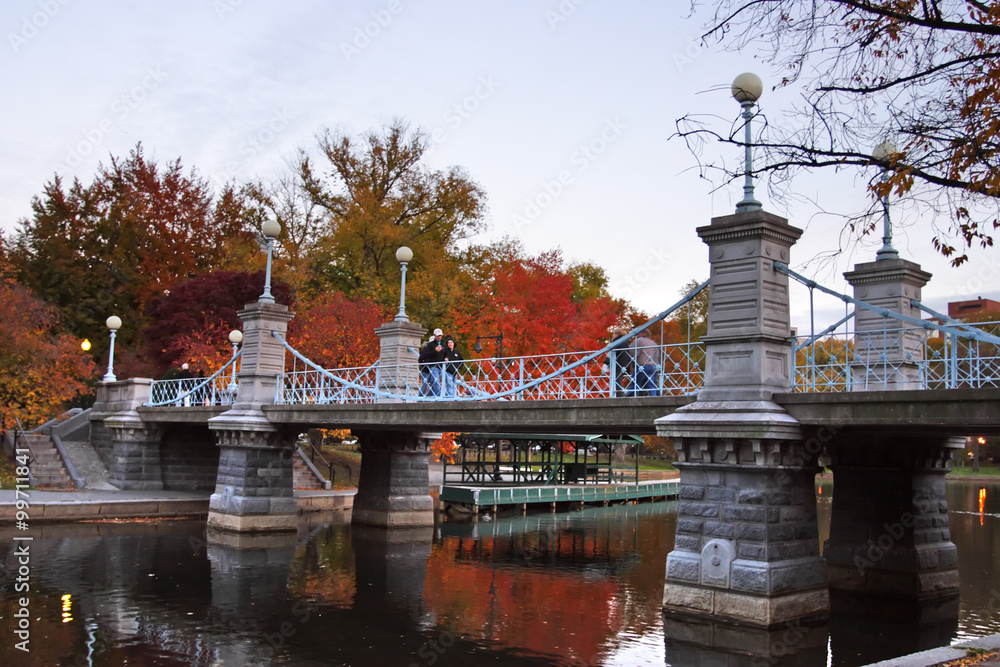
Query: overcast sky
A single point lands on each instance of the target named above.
(561, 110)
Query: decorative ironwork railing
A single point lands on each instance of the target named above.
(678, 369)
(898, 352)
(216, 389)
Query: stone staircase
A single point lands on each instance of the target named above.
(302, 476)
(45, 463)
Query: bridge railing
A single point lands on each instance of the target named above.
(302, 384)
(894, 350)
(679, 370)
(217, 389)
(921, 359)
(533, 378)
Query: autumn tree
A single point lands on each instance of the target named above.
(42, 368)
(925, 75)
(111, 246)
(369, 195)
(191, 321)
(336, 332)
(531, 301)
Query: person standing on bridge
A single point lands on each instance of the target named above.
(431, 360)
(646, 357)
(452, 360)
(618, 363)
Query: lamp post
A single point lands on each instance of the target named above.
(85, 345)
(270, 229)
(498, 338)
(747, 89)
(882, 154)
(235, 337)
(403, 256)
(114, 323)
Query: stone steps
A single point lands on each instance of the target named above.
(46, 464)
(303, 477)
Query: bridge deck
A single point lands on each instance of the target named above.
(952, 411)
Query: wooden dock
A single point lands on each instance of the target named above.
(476, 498)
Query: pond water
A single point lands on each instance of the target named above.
(580, 588)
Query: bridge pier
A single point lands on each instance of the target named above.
(132, 452)
(747, 539)
(253, 489)
(393, 489)
(889, 530)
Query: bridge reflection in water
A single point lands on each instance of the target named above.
(582, 588)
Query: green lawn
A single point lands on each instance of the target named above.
(7, 474)
(983, 470)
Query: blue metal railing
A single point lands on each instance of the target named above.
(217, 389)
(573, 375)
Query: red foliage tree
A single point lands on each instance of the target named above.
(336, 332)
(531, 300)
(192, 321)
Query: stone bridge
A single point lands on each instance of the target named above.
(746, 546)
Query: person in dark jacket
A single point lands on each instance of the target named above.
(452, 362)
(618, 365)
(431, 360)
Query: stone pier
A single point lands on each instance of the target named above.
(889, 530)
(393, 490)
(128, 446)
(746, 547)
(253, 489)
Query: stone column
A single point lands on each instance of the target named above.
(399, 347)
(253, 490)
(393, 490)
(885, 356)
(889, 525)
(133, 459)
(746, 547)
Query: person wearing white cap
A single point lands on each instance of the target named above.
(431, 360)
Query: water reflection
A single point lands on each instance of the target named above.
(583, 588)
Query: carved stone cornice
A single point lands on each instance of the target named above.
(252, 439)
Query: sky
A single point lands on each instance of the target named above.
(562, 110)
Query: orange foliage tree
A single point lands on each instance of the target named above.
(41, 367)
(445, 448)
